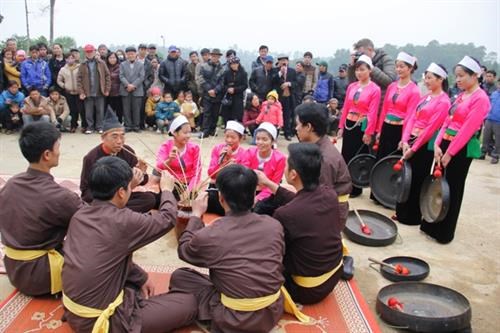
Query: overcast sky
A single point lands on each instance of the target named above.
(320, 26)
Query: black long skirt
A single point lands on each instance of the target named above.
(409, 211)
(389, 140)
(456, 174)
(352, 145)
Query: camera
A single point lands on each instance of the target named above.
(357, 54)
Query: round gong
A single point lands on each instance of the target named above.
(384, 230)
(434, 199)
(360, 167)
(389, 186)
(418, 268)
(425, 307)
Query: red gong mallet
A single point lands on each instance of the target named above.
(398, 268)
(375, 145)
(438, 171)
(398, 165)
(364, 228)
(395, 304)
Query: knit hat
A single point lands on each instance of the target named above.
(155, 91)
(269, 128)
(110, 121)
(177, 122)
(273, 94)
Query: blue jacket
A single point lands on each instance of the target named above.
(6, 95)
(35, 74)
(494, 114)
(166, 110)
(324, 88)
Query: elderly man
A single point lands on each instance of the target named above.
(93, 85)
(113, 143)
(132, 73)
(285, 81)
(35, 215)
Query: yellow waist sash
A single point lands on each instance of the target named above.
(343, 198)
(56, 261)
(314, 281)
(258, 303)
(102, 323)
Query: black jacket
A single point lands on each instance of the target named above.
(237, 80)
(261, 81)
(173, 74)
(211, 77)
(278, 80)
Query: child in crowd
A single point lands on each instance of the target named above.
(14, 119)
(166, 111)
(271, 111)
(189, 109)
(181, 97)
(59, 110)
(150, 108)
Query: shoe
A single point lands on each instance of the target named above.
(494, 160)
(482, 157)
(88, 132)
(101, 131)
(288, 138)
(158, 131)
(203, 135)
(394, 217)
(137, 130)
(72, 130)
(348, 272)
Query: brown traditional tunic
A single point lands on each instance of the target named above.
(98, 265)
(141, 202)
(312, 236)
(334, 173)
(35, 215)
(244, 253)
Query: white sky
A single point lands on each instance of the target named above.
(320, 26)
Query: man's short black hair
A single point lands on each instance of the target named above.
(491, 71)
(263, 47)
(34, 48)
(42, 46)
(108, 175)
(193, 52)
(36, 138)
(305, 159)
(237, 185)
(314, 114)
(11, 83)
(230, 52)
(308, 54)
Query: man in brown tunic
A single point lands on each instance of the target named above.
(312, 226)
(311, 126)
(243, 252)
(113, 143)
(35, 212)
(98, 268)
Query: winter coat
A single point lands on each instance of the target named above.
(134, 76)
(166, 110)
(35, 74)
(324, 88)
(211, 77)
(261, 81)
(271, 113)
(114, 72)
(173, 74)
(83, 80)
(237, 80)
(67, 79)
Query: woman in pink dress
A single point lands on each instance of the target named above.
(458, 143)
(269, 160)
(222, 154)
(422, 125)
(179, 156)
(359, 114)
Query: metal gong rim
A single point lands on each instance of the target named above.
(434, 199)
(360, 167)
(419, 269)
(388, 186)
(384, 230)
(426, 307)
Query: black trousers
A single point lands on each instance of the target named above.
(288, 115)
(76, 109)
(456, 174)
(352, 145)
(117, 105)
(409, 212)
(210, 116)
(233, 111)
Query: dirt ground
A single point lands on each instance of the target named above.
(470, 264)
